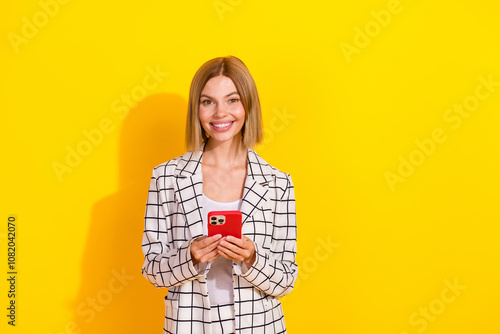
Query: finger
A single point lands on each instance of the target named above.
(228, 254)
(222, 254)
(236, 241)
(209, 240)
(200, 253)
(210, 256)
(242, 253)
(201, 249)
(211, 246)
(229, 246)
(232, 249)
(235, 247)
(247, 243)
(215, 256)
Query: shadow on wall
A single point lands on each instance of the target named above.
(114, 297)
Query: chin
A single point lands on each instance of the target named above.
(221, 139)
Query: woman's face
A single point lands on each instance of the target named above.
(221, 112)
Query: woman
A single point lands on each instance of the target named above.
(215, 284)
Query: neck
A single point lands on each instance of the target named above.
(226, 154)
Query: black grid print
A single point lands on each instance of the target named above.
(173, 219)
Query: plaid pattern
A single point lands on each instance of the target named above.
(173, 219)
(223, 319)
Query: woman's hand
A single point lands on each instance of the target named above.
(236, 249)
(204, 249)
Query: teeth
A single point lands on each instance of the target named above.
(221, 125)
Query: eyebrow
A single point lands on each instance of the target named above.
(205, 95)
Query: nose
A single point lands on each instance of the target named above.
(220, 110)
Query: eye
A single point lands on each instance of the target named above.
(206, 102)
(234, 100)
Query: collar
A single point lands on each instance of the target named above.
(189, 187)
(257, 168)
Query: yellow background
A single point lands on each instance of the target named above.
(373, 258)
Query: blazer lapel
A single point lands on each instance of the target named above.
(189, 188)
(256, 189)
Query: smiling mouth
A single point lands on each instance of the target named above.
(221, 125)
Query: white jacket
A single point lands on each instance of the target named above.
(173, 220)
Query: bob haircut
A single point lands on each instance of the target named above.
(236, 70)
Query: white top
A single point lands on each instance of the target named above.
(220, 275)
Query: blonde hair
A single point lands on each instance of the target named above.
(236, 70)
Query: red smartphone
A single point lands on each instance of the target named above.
(224, 223)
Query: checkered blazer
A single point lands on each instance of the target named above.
(173, 220)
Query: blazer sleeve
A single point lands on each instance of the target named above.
(275, 272)
(164, 266)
